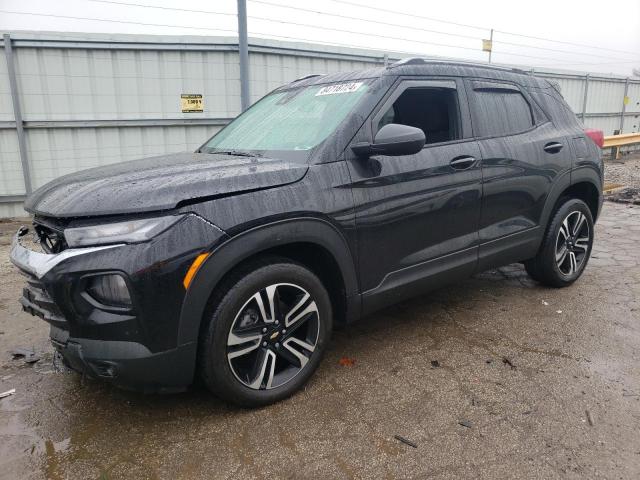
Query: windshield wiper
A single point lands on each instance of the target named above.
(236, 153)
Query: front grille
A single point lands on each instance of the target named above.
(37, 301)
(50, 235)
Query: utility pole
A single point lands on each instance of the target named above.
(243, 50)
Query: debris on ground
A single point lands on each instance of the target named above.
(628, 195)
(465, 423)
(405, 441)
(21, 352)
(29, 356)
(32, 358)
(506, 361)
(545, 303)
(558, 311)
(589, 417)
(347, 362)
(435, 363)
(7, 393)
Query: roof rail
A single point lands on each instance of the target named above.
(309, 76)
(408, 61)
(425, 61)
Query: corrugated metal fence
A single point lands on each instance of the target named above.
(82, 100)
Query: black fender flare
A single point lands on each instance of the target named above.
(565, 181)
(590, 173)
(557, 189)
(250, 242)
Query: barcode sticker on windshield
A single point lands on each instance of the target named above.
(339, 88)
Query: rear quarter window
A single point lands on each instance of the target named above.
(500, 111)
(554, 106)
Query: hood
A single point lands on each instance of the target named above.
(158, 183)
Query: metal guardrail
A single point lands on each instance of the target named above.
(621, 140)
(617, 141)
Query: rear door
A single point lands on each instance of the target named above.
(523, 154)
(417, 215)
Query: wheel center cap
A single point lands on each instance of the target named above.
(274, 335)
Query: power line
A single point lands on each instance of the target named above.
(163, 8)
(341, 30)
(420, 42)
(595, 63)
(359, 33)
(350, 45)
(409, 27)
(313, 26)
(568, 52)
(271, 35)
(411, 15)
(385, 10)
(563, 42)
(368, 47)
(349, 17)
(118, 21)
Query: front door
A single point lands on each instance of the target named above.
(417, 215)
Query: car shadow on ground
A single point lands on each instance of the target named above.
(416, 317)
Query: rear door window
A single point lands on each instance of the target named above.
(499, 109)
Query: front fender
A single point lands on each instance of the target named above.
(248, 243)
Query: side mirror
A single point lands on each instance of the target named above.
(392, 139)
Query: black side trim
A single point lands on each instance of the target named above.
(411, 281)
(511, 248)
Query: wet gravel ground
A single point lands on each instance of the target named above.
(494, 377)
(625, 171)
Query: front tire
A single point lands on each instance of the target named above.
(266, 331)
(566, 246)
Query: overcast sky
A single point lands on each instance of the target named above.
(608, 32)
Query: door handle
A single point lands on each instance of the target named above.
(553, 147)
(463, 162)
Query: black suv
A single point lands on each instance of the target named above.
(330, 198)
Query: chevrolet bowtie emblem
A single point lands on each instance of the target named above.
(274, 335)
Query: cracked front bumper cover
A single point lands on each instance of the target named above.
(128, 365)
(134, 347)
(37, 263)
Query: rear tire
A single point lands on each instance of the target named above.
(566, 246)
(266, 331)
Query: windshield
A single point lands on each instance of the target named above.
(291, 120)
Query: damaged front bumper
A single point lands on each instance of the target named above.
(134, 347)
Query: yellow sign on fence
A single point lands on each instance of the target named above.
(191, 103)
(486, 45)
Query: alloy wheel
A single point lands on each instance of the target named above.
(572, 243)
(273, 336)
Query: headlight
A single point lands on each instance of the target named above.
(122, 232)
